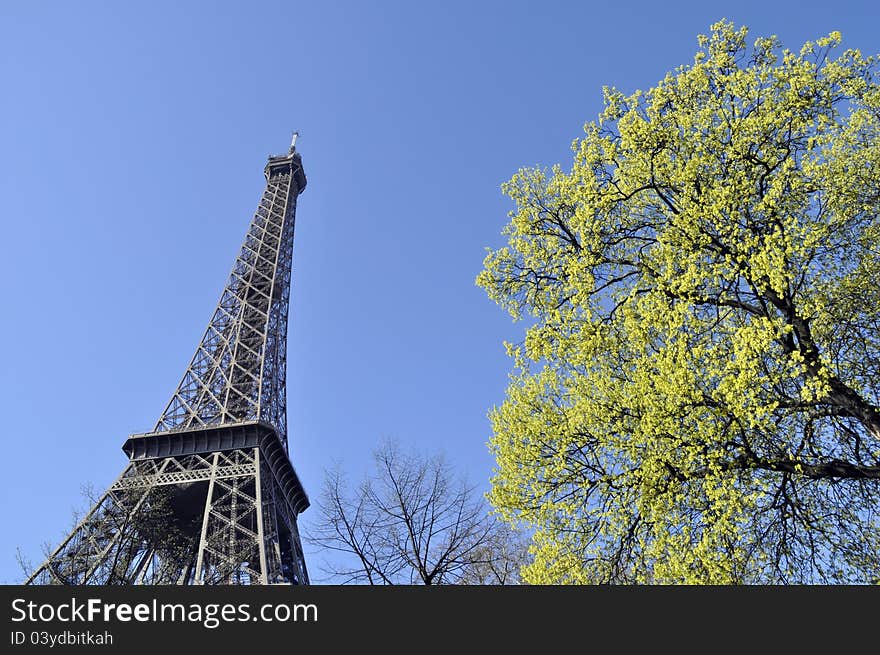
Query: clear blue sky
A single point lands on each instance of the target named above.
(132, 141)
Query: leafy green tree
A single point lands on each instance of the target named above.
(696, 396)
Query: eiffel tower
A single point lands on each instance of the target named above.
(210, 496)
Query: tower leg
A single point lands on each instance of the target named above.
(221, 517)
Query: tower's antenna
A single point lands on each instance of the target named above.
(293, 141)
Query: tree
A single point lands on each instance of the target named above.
(499, 560)
(413, 522)
(696, 397)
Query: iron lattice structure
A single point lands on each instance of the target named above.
(210, 496)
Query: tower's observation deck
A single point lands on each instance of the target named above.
(281, 164)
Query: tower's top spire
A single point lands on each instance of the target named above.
(293, 141)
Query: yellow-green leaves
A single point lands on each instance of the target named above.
(696, 398)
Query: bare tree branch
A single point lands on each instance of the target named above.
(413, 521)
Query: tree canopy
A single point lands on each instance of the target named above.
(696, 396)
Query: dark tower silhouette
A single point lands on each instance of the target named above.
(210, 496)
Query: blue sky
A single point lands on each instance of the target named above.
(132, 141)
